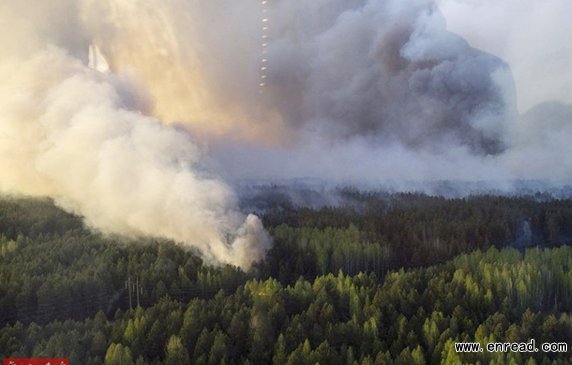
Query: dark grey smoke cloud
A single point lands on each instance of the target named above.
(383, 91)
(387, 71)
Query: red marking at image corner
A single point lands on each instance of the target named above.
(36, 361)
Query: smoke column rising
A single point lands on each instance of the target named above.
(82, 137)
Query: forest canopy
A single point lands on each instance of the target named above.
(391, 279)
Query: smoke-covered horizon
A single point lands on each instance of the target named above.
(146, 142)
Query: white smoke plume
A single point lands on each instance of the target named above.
(82, 137)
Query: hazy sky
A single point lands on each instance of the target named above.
(531, 36)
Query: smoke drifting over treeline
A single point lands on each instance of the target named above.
(356, 89)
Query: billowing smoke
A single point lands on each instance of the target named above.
(388, 70)
(384, 90)
(353, 90)
(82, 137)
(532, 37)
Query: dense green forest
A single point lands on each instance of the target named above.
(378, 279)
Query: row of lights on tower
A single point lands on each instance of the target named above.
(264, 35)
